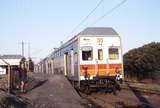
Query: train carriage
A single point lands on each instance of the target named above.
(93, 56)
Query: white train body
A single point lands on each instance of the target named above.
(94, 52)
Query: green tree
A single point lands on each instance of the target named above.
(143, 62)
(31, 65)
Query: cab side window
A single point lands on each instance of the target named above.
(113, 53)
(87, 53)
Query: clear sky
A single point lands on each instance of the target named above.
(44, 23)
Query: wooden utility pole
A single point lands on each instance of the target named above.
(29, 56)
(9, 78)
(29, 50)
(22, 48)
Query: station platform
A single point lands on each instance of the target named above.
(55, 91)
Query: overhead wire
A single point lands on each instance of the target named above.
(101, 17)
(85, 18)
(109, 12)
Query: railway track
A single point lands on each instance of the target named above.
(115, 103)
(129, 86)
(127, 98)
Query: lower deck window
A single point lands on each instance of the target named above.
(87, 53)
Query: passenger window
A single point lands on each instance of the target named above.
(100, 54)
(113, 53)
(87, 53)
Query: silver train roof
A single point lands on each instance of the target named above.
(98, 31)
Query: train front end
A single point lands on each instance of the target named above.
(101, 60)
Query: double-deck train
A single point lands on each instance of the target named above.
(92, 58)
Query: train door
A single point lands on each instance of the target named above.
(100, 65)
(72, 63)
(67, 63)
(76, 65)
(100, 57)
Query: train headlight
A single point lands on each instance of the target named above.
(119, 74)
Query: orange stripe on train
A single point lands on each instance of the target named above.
(101, 69)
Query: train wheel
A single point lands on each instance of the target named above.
(121, 81)
(114, 90)
(87, 90)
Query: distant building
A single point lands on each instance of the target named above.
(12, 60)
(2, 71)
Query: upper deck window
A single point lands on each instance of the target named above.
(87, 53)
(113, 53)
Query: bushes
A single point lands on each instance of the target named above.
(31, 65)
(143, 62)
(3, 82)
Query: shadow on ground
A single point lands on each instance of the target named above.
(36, 84)
(13, 102)
(141, 98)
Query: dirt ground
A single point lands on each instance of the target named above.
(55, 91)
(125, 99)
